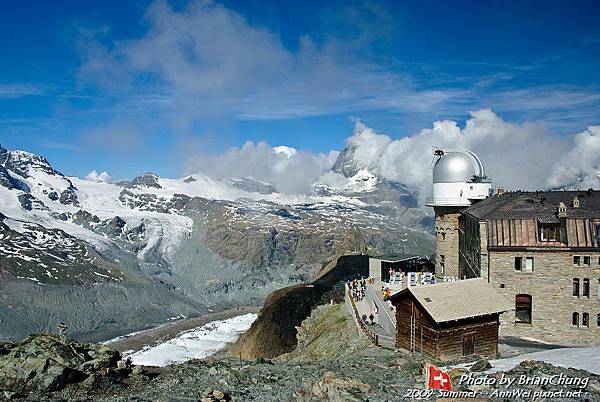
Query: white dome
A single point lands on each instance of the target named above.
(457, 167)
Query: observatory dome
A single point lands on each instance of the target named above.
(456, 167)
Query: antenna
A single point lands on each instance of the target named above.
(437, 155)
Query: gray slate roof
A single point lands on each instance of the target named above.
(540, 205)
(450, 301)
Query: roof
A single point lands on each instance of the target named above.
(394, 257)
(540, 205)
(450, 301)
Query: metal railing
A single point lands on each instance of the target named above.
(446, 201)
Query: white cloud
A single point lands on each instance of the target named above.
(203, 60)
(18, 90)
(103, 177)
(518, 156)
(207, 60)
(580, 166)
(292, 171)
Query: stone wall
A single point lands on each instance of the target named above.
(446, 241)
(551, 288)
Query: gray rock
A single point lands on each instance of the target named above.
(29, 202)
(252, 186)
(149, 179)
(481, 365)
(3, 155)
(69, 197)
(45, 362)
(6, 179)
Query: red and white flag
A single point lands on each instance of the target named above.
(437, 378)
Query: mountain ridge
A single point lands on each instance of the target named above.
(210, 242)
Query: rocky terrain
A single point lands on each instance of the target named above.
(275, 331)
(332, 362)
(111, 258)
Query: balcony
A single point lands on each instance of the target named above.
(440, 202)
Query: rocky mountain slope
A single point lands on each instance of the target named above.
(332, 362)
(154, 248)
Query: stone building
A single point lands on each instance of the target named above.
(541, 250)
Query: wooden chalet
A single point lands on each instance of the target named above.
(449, 320)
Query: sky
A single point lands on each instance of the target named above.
(126, 87)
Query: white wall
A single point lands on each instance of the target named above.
(374, 268)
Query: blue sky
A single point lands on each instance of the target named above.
(131, 86)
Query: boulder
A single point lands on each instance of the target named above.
(47, 362)
(481, 365)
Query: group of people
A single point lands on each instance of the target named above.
(395, 276)
(370, 320)
(358, 288)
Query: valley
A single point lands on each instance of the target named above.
(108, 259)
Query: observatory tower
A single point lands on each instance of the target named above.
(458, 181)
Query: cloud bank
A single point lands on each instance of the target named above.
(207, 60)
(516, 156)
(201, 60)
(291, 171)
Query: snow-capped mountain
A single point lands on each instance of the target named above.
(197, 240)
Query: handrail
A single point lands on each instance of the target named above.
(378, 301)
(370, 334)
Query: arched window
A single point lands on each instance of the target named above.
(576, 287)
(585, 320)
(523, 309)
(586, 287)
(575, 321)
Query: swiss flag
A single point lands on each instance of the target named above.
(437, 378)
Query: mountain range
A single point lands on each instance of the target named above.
(110, 258)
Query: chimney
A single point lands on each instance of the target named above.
(562, 210)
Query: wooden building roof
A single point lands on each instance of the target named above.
(539, 205)
(450, 301)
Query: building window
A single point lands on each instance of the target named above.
(585, 320)
(575, 319)
(528, 264)
(523, 309)
(548, 232)
(586, 287)
(443, 263)
(576, 260)
(518, 263)
(587, 260)
(598, 287)
(576, 287)
(598, 320)
(443, 235)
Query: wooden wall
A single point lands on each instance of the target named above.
(450, 344)
(524, 233)
(425, 334)
(443, 341)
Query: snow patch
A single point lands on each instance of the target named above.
(195, 344)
